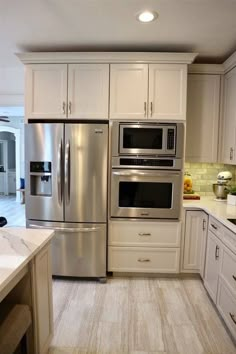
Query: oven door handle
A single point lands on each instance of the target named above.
(145, 174)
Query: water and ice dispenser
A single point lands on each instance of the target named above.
(41, 178)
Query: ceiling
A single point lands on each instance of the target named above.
(204, 26)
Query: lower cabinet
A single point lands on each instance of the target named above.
(195, 236)
(42, 285)
(150, 247)
(213, 257)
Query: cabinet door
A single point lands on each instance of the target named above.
(46, 91)
(203, 104)
(195, 241)
(88, 91)
(167, 91)
(128, 91)
(229, 131)
(43, 299)
(12, 183)
(213, 256)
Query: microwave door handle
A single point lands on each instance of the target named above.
(59, 164)
(67, 172)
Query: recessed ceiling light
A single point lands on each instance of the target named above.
(147, 16)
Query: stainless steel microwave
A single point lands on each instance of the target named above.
(147, 138)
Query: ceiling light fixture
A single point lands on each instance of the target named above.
(147, 16)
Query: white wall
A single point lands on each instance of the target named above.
(12, 86)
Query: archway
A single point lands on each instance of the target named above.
(16, 132)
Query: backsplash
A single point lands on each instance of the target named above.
(205, 174)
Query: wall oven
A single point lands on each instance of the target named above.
(146, 170)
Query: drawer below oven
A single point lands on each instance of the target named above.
(143, 260)
(149, 234)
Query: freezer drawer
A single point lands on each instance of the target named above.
(80, 252)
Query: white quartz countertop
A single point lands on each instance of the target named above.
(17, 247)
(218, 209)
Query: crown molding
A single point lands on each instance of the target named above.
(230, 63)
(105, 57)
(206, 69)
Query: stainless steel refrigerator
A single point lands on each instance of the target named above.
(66, 190)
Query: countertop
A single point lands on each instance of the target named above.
(17, 247)
(218, 209)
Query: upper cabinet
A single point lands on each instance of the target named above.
(229, 118)
(57, 91)
(203, 106)
(46, 91)
(128, 91)
(88, 90)
(139, 91)
(167, 91)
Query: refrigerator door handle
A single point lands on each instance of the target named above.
(59, 164)
(67, 172)
(66, 229)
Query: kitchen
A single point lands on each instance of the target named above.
(128, 309)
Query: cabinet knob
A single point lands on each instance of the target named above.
(232, 317)
(234, 277)
(217, 252)
(145, 109)
(144, 234)
(204, 224)
(231, 154)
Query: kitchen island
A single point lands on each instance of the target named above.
(25, 278)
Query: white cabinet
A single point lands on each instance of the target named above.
(155, 91)
(167, 91)
(46, 91)
(55, 91)
(88, 91)
(229, 117)
(195, 235)
(128, 91)
(203, 106)
(213, 257)
(144, 246)
(42, 285)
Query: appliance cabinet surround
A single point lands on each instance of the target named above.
(229, 119)
(57, 91)
(154, 91)
(195, 237)
(144, 246)
(203, 108)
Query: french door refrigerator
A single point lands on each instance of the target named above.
(66, 190)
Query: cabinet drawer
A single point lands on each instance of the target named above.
(229, 238)
(226, 304)
(216, 227)
(157, 234)
(228, 268)
(149, 260)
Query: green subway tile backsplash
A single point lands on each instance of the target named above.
(205, 174)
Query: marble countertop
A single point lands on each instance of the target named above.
(17, 247)
(218, 209)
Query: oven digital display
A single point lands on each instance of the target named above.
(145, 195)
(143, 138)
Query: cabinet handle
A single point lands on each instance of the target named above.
(232, 317)
(144, 234)
(64, 107)
(151, 109)
(217, 252)
(231, 153)
(214, 227)
(204, 224)
(144, 260)
(234, 277)
(145, 109)
(70, 107)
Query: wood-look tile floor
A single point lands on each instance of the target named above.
(137, 316)
(12, 210)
